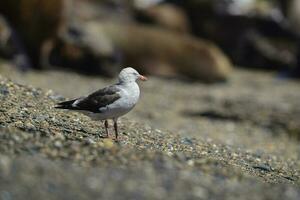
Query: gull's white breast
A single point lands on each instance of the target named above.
(129, 96)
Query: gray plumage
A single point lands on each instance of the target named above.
(93, 102)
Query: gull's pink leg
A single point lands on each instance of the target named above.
(116, 128)
(106, 128)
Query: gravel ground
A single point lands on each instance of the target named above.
(183, 141)
(253, 110)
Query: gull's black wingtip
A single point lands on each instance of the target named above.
(60, 107)
(65, 104)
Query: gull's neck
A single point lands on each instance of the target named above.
(126, 82)
(129, 85)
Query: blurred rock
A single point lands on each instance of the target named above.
(100, 36)
(247, 7)
(293, 15)
(143, 4)
(231, 25)
(34, 22)
(11, 47)
(157, 51)
(166, 15)
(5, 34)
(291, 11)
(39, 23)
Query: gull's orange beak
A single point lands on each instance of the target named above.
(143, 78)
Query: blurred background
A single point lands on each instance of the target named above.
(196, 39)
(222, 98)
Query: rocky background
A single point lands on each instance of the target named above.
(204, 128)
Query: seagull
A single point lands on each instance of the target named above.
(110, 102)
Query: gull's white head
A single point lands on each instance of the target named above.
(130, 75)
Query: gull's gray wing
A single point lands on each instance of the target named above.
(99, 99)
